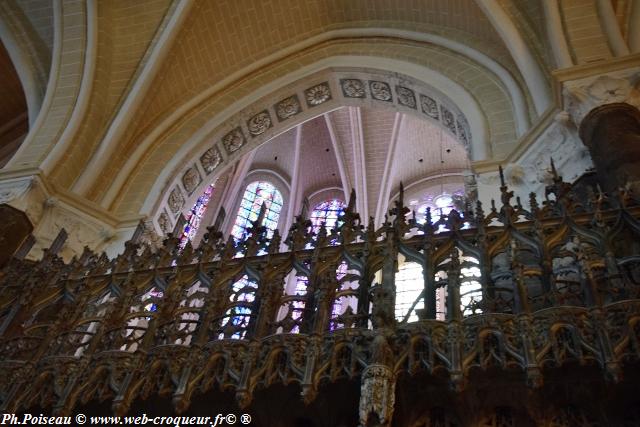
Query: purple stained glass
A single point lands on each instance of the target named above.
(194, 217)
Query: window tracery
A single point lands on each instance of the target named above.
(236, 319)
(440, 206)
(409, 287)
(409, 282)
(256, 194)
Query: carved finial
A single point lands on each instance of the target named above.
(501, 172)
(554, 172)
(533, 202)
(352, 201)
(479, 211)
(263, 212)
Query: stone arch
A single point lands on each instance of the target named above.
(68, 65)
(14, 120)
(268, 118)
(28, 52)
(199, 125)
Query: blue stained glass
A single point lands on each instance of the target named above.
(255, 195)
(328, 213)
(194, 217)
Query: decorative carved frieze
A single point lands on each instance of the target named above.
(233, 140)
(406, 97)
(317, 94)
(380, 91)
(175, 200)
(447, 119)
(211, 159)
(463, 136)
(191, 179)
(429, 106)
(288, 107)
(353, 88)
(259, 123)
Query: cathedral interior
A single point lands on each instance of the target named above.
(322, 213)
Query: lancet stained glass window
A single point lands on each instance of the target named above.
(194, 217)
(255, 195)
(327, 212)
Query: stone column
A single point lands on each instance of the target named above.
(612, 134)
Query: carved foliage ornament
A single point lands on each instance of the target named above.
(462, 131)
(288, 107)
(429, 106)
(176, 200)
(352, 88)
(259, 123)
(448, 120)
(317, 94)
(191, 179)
(210, 159)
(233, 140)
(380, 91)
(406, 97)
(584, 95)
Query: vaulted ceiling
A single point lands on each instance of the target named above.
(121, 95)
(395, 148)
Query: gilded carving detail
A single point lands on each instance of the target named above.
(152, 340)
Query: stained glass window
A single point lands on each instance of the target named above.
(440, 206)
(409, 281)
(256, 194)
(470, 288)
(194, 217)
(237, 318)
(328, 213)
